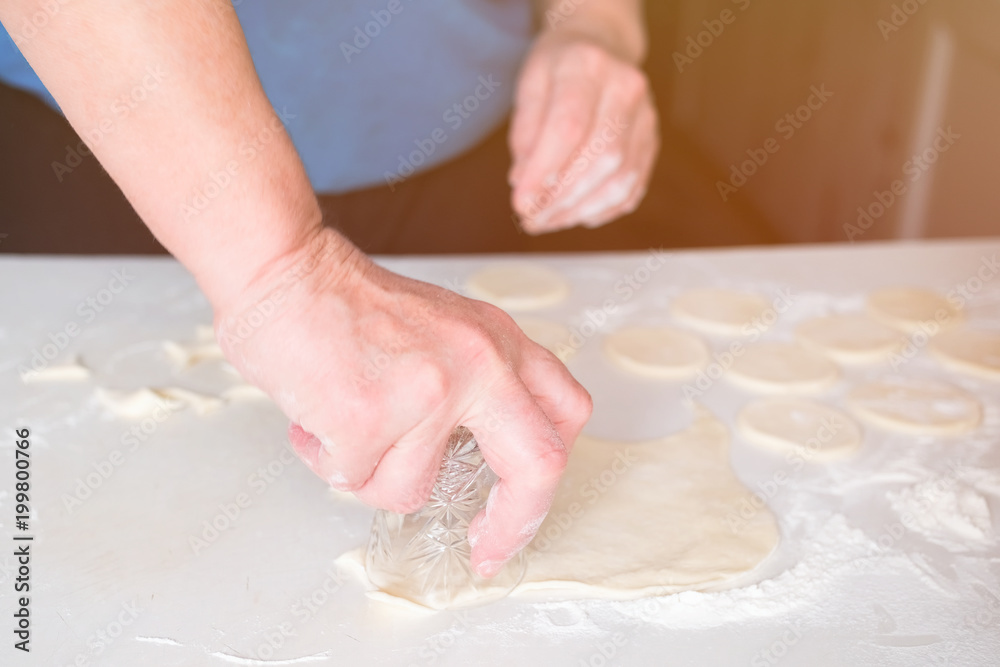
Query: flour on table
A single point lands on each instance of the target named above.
(850, 339)
(518, 286)
(910, 309)
(969, 351)
(719, 311)
(786, 368)
(946, 511)
(810, 429)
(913, 405)
(659, 352)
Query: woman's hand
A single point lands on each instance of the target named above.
(584, 133)
(376, 370)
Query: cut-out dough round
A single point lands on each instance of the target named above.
(910, 309)
(783, 368)
(719, 311)
(969, 351)
(554, 337)
(809, 429)
(518, 286)
(850, 339)
(659, 352)
(636, 519)
(923, 407)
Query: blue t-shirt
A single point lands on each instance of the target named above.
(371, 90)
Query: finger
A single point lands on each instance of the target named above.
(563, 400)
(530, 103)
(345, 469)
(405, 475)
(568, 120)
(525, 451)
(622, 193)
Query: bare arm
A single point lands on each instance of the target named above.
(203, 115)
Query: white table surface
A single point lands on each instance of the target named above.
(121, 563)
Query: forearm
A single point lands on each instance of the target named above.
(618, 24)
(166, 97)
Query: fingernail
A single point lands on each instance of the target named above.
(490, 568)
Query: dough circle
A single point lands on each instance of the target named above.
(969, 351)
(658, 352)
(922, 407)
(812, 430)
(850, 339)
(910, 309)
(782, 368)
(719, 311)
(553, 336)
(518, 286)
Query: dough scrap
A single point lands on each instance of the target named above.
(518, 286)
(969, 351)
(554, 337)
(922, 407)
(809, 429)
(245, 392)
(910, 309)
(719, 311)
(850, 339)
(659, 352)
(147, 402)
(69, 372)
(631, 520)
(186, 355)
(786, 368)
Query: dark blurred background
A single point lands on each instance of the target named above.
(873, 158)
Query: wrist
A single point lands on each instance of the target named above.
(323, 260)
(619, 33)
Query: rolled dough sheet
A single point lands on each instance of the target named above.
(785, 368)
(850, 339)
(811, 430)
(910, 309)
(912, 405)
(659, 352)
(719, 311)
(518, 286)
(637, 519)
(969, 351)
